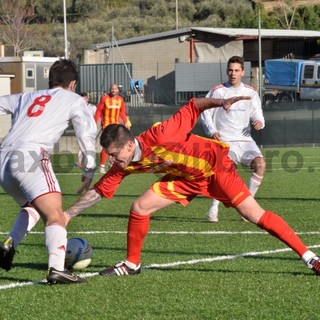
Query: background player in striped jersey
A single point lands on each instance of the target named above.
(39, 120)
(111, 109)
(234, 127)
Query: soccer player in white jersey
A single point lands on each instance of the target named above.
(39, 118)
(91, 106)
(234, 127)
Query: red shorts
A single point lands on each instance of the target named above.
(225, 185)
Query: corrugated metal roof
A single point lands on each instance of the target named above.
(143, 38)
(229, 32)
(238, 32)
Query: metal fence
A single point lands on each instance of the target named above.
(287, 124)
(290, 124)
(176, 87)
(95, 79)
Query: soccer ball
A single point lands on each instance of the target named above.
(78, 254)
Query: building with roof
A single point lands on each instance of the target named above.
(30, 72)
(156, 58)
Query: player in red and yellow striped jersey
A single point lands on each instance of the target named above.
(193, 165)
(111, 109)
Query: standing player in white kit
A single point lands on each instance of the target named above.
(234, 127)
(39, 119)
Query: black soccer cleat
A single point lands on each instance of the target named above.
(314, 265)
(63, 277)
(120, 269)
(7, 252)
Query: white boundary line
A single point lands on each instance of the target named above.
(173, 232)
(172, 264)
(220, 258)
(166, 265)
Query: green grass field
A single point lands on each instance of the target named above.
(192, 269)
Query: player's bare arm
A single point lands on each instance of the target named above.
(86, 182)
(209, 103)
(87, 200)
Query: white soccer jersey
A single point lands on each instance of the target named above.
(92, 108)
(39, 118)
(235, 125)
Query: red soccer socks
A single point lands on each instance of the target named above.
(138, 227)
(277, 227)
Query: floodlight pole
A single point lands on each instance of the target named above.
(177, 15)
(260, 58)
(66, 51)
(253, 5)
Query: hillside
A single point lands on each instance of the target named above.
(271, 5)
(41, 27)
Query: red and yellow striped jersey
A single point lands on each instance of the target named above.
(169, 147)
(110, 110)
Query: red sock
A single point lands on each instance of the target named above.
(277, 227)
(138, 227)
(103, 157)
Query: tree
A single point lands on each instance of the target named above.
(15, 17)
(307, 18)
(287, 12)
(50, 11)
(90, 22)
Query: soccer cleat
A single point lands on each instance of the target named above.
(314, 264)
(7, 252)
(63, 277)
(102, 169)
(213, 216)
(120, 269)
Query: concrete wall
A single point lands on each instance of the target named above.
(69, 144)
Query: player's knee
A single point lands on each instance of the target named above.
(259, 166)
(135, 206)
(140, 207)
(56, 217)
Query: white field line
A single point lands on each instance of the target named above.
(172, 264)
(220, 258)
(165, 265)
(293, 168)
(172, 232)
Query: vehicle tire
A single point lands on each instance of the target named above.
(286, 97)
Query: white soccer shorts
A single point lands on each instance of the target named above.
(244, 152)
(26, 174)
